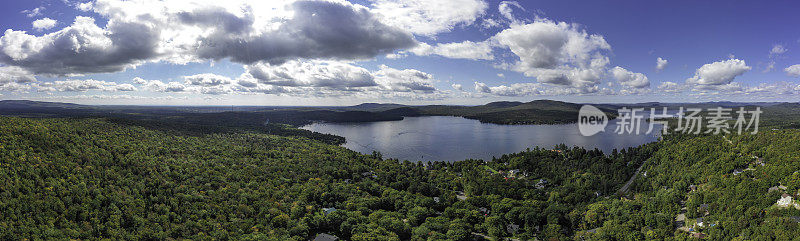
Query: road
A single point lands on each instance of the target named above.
(627, 185)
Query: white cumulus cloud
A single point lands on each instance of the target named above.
(719, 73)
(33, 12)
(556, 53)
(78, 85)
(206, 79)
(505, 9)
(85, 7)
(630, 79)
(82, 47)
(669, 87)
(428, 17)
(460, 50)
(330, 74)
(661, 64)
(777, 49)
(158, 86)
(44, 24)
(9, 74)
(404, 80)
(530, 89)
(793, 70)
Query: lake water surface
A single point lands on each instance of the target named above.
(446, 138)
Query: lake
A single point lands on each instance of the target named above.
(447, 138)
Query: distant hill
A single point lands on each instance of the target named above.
(548, 105)
(373, 107)
(500, 112)
(43, 109)
(503, 104)
(18, 104)
(712, 104)
(511, 112)
(193, 117)
(783, 115)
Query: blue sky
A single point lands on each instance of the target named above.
(415, 52)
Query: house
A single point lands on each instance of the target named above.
(512, 228)
(325, 237)
(369, 174)
(436, 199)
(513, 173)
(461, 196)
(785, 201)
(680, 223)
(776, 188)
(681, 217)
(698, 235)
(699, 222)
(737, 172)
(328, 210)
(541, 184)
(760, 161)
(483, 210)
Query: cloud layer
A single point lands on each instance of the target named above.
(330, 48)
(461, 50)
(329, 74)
(246, 32)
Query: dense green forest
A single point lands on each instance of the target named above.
(729, 184)
(116, 177)
(90, 178)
